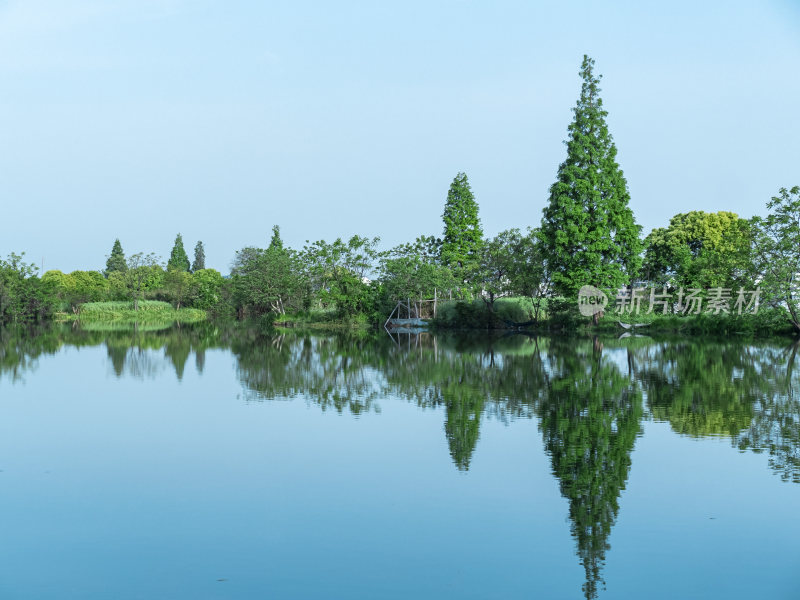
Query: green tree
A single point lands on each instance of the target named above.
(528, 274)
(338, 273)
(463, 235)
(413, 271)
(144, 272)
(496, 263)
(275, 242)
(85, 286)
(199, 258)
(208, 284)
(177, 258)
(23, 296)
(700, 249)
(588, 230)
(271, 280)
(179, 286)
(777, 250)
(116, 262)
(58, 283)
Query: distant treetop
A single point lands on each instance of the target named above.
(199, 258)
(178, 260)
(116, 262)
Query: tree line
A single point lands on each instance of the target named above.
(588, 235)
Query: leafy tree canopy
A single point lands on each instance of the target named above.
(700, 249)
(777, 251)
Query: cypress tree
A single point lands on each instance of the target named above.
(199, 258)
(276, 243)
(178, 261)
(463, 235)
(116, 262)
(589, 233)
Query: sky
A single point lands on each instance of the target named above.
(141, 119)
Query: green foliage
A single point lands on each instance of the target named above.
(777, 252)
(144, 310)
(118, 286)
(700, 250)
(275, 242)
(75, 288)
(496, 264)
(588, 230)
(178, 286)
(23, 296)
(87, 286)
(473, 314)
(144, 273)
(97, 309)
(199, 258)
(178, 261)
(528, 273)
(57, 283)
(414, 271)
(208, 289)
(563, 314)
(116, 262)
(463, 234)
(271, 280)
(337, 274)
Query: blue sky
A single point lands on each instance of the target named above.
(140, 119)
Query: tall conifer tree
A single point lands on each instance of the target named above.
(178, 261)
(116, 262)
(463, 234)
(276, 243)
(199, 258)
(588, 231)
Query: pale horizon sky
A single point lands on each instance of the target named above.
(142, 119)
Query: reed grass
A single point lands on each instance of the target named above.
(150, 311)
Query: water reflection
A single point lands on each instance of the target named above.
(589, 396)
(589, 418)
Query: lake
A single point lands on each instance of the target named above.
(239, 462)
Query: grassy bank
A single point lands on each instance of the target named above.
(149, 311)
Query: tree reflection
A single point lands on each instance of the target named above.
(590, 418)
(743, 392)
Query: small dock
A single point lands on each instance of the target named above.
(410, 316)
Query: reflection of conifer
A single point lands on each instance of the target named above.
(178, 350)
(590, 423)
(117, 355)
(462, 423)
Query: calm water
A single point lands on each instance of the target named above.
(210, 463)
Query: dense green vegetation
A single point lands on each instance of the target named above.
(587, 236)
